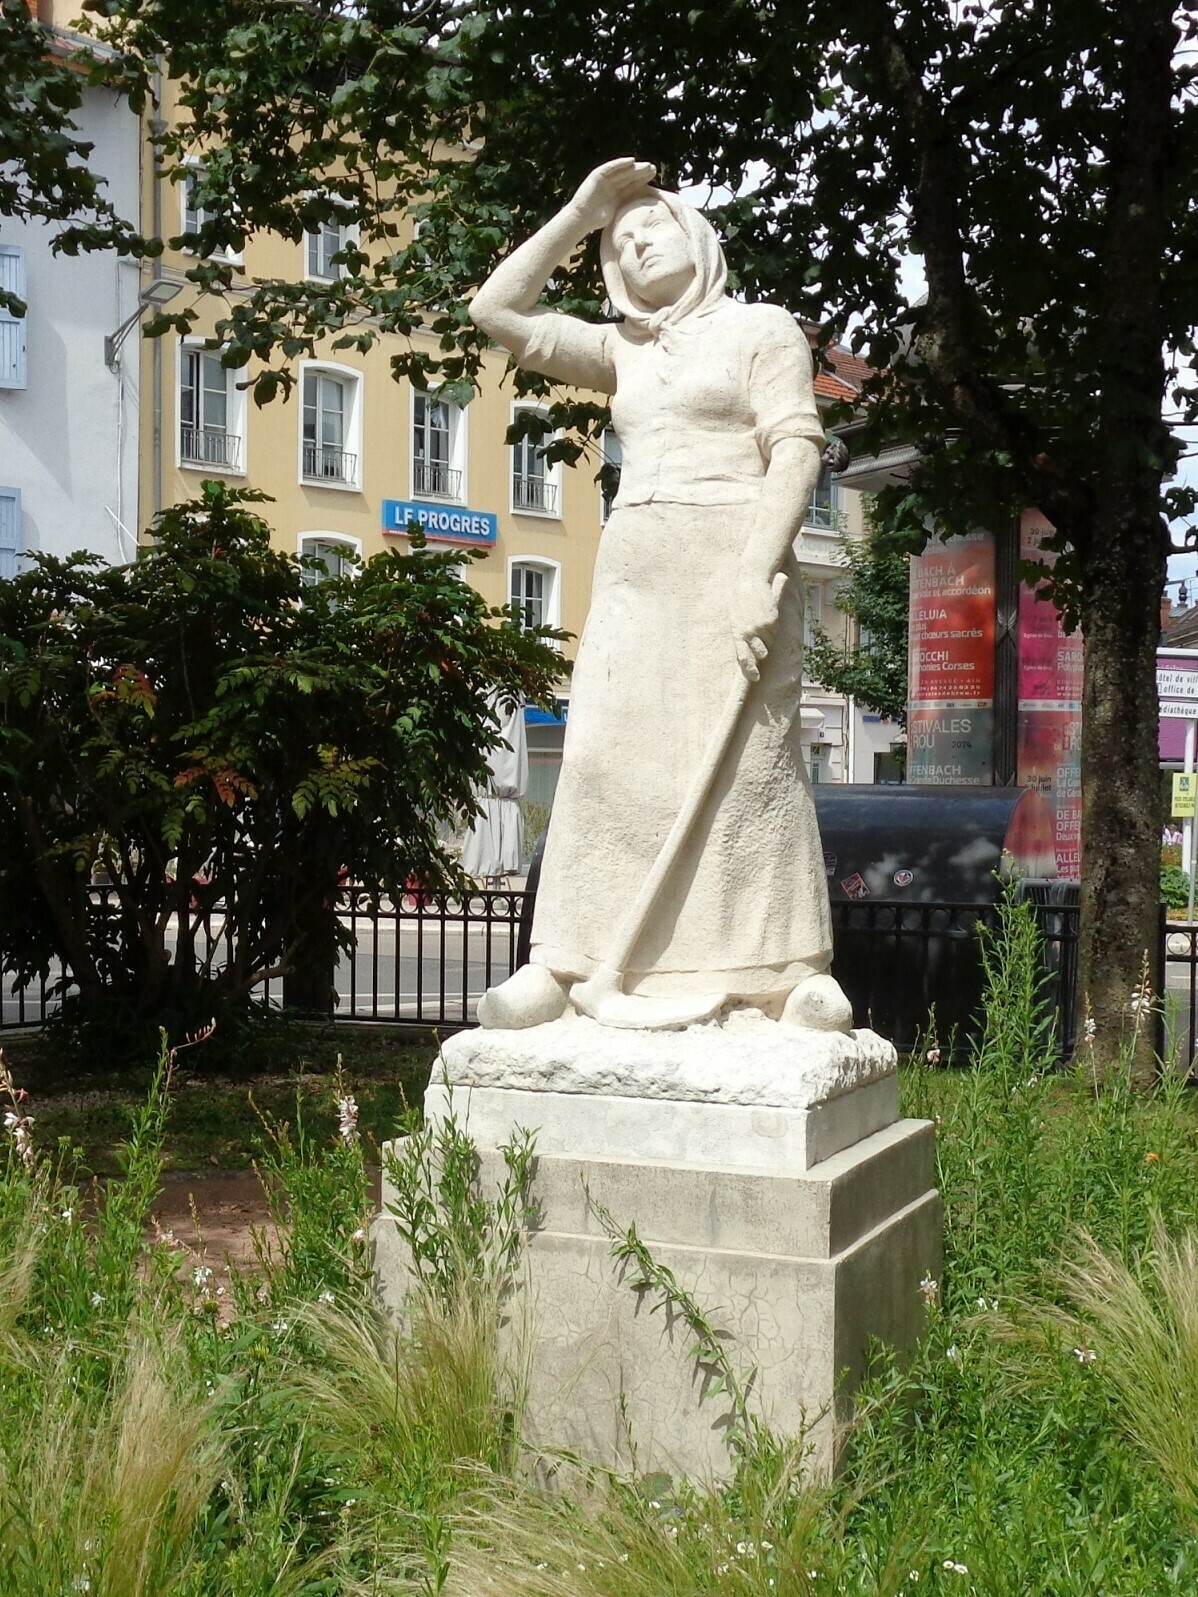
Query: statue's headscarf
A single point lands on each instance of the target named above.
(705, 290)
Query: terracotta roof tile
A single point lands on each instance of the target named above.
(829, 387)
(849, 367)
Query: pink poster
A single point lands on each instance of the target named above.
(950, 716)
(1050, 704)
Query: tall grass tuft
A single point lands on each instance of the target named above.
(106, 1496)
(413, 1404)
(1138, 1325)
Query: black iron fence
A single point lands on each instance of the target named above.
(425, 959)
(909, 968)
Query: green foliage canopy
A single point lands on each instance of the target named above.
(219, 737)
(1038, 157)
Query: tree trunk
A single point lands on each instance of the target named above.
(1121, 785)
(308, 984)
(1123, 557)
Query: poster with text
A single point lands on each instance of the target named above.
(1050, 704)
(950, 718)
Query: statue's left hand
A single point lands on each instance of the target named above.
(754, 617)
(603, 191)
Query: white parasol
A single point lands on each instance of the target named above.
(494, 845)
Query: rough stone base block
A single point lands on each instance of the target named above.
(801, 1221)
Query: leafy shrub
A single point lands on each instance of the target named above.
(1175, 887)
(217, 741)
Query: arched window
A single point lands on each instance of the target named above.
(330, 425)
(322, 244)
(822, 510)
(212, 411)
(438, 448)
(534, 589)
(338, 554)
(536, 482)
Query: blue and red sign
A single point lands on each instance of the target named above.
(441, 523)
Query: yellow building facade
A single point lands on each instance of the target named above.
(352, 456)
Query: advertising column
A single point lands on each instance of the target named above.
(950, 718)
(1050, 704)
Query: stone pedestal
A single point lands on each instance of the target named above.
(764, 1166)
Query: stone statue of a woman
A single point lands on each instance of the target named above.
(695, 624)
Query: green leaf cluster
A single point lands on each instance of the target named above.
(223, 741)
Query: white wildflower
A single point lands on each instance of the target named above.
(359, 1235)
(347, 1118)
(1085, 1355)
(933, 1055)
(201, 1275)
(955, 1356)
(68, 1215)
(929, 1289)
(1090, 1029)
(280, 1327)
(97, 1300)
(956, 1569)
(19, 1127)
(326, 1297)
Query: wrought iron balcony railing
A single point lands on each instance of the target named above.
(534, 493)
(326, 463)
(209, 446)
(434, 477)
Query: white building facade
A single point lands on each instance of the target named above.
(68, 422)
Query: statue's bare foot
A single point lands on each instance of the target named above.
(819, 1004)
(531, 997)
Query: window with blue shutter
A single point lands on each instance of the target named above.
(12, 328)
(11, 541)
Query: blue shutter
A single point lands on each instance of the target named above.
(12, 328)
(11, 541)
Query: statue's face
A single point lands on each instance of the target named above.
(653, 252)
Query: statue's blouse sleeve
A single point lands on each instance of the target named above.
(567, 349)
(781, 381)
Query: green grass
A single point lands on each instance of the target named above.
(1042, 1440)
(216, 1119)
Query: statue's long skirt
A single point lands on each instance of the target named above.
(745, 910)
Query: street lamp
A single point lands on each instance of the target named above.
(159, 292)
